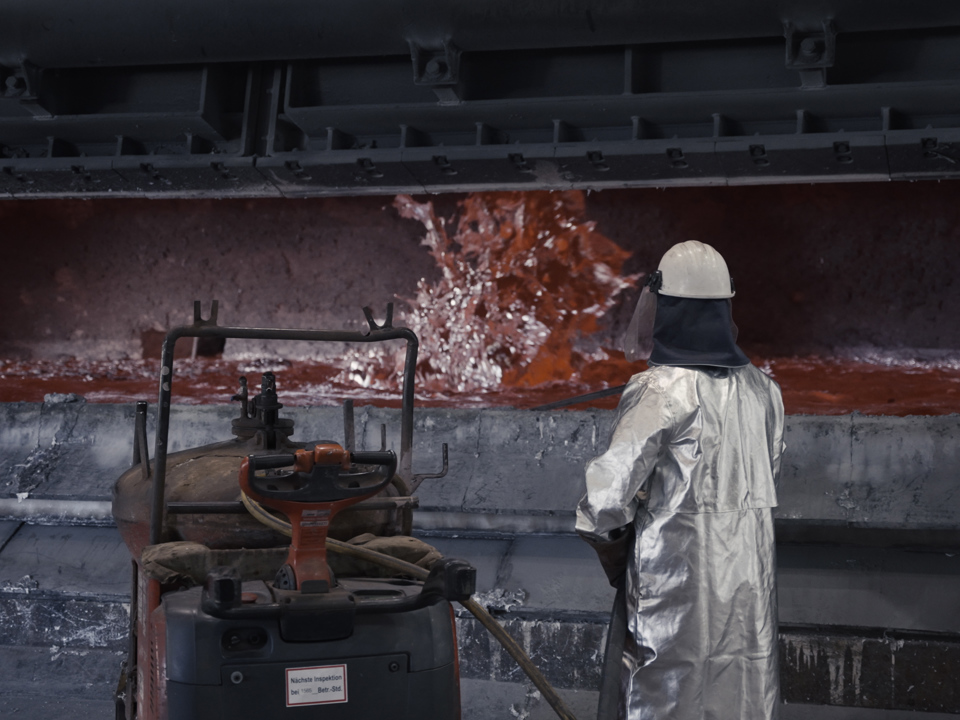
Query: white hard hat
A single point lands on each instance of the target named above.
(693, 269)
(689, 269)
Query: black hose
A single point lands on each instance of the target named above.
(478, 611)
(609, 704)
(417, 572)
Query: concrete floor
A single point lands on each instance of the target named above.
(507, 508)
(87, 693)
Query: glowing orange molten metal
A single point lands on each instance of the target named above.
(525, 279)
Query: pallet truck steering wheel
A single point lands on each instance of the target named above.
(323, 482)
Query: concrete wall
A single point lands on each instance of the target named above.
(869, 572)
(516, 470)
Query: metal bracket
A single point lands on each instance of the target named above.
(387, 324)
(811, 52)
(677, 159)
(22, 84)
(198, 320)
(243, 397)
(349, 428)
(520, 163)
(439, 69)
(141, 454)
(932, 149)
(417, 479)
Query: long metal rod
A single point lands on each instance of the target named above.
(129, 704)
(158, 508)
(141, 454)
(581, 398)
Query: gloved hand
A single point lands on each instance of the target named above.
(613, 553)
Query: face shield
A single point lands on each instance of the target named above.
(638, 339)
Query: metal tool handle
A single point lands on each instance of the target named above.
(269, 462)
(374, 457)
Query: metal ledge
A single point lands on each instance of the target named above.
(451, 99)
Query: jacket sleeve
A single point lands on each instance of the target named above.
(615, 478)
(777, 444)
(614, 553)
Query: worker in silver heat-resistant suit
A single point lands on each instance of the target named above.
(679, 508)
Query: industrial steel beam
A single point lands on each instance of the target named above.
(372, 98)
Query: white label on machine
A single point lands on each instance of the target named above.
(316, 685)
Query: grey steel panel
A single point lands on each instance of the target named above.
(299, 101)
(7, 529)
(677, 161)
(62, 622)
(785, 158)
(73, 562)
(361, 171)
(817, 585)
(34, 701)
(922, 154)
(557, 574)
(873, 587)
(80, 176)
(440, 168)
(211, 175)
(486, 555)
(108, 33)
(800, 711)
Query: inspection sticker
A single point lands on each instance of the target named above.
(316, 685)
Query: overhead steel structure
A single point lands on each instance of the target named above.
(308, 97)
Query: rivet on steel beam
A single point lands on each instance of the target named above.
(368, 166)
(596, 159)
(298, 171)
(933, 150)
(677, 159)
(758, 154)
(520, 163)
(445, 167)
(223, 170)
(841, 151)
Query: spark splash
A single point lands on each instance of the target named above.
(524, 281)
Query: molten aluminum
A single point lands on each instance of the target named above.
(513, 319)
(811, 385)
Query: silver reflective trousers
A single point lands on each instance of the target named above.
(692, 462)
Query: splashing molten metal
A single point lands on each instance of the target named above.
(524, 284)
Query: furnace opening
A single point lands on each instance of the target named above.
(519, 298)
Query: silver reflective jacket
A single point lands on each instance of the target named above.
(692, 463)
